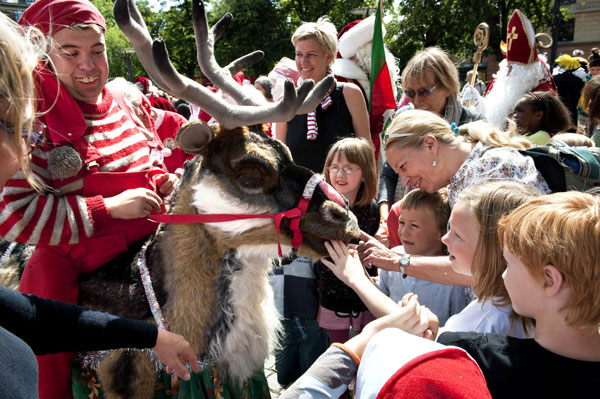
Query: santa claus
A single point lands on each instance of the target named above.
(353, 64)
(522, 71)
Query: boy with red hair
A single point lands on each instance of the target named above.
(553, 274)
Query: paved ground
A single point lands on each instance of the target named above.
(271, 374)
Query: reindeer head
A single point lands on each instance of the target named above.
(242, 170)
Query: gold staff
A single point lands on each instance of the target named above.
(481, 37)
(544, 40)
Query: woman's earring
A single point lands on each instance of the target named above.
(434, 163)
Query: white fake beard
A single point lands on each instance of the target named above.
(507, 90)
(363, 60)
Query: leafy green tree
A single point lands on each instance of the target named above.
(450, 24)
(117, 45)
(256, 25)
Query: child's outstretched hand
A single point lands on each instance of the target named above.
(175, 352)
(427, 316)
(346, 266)
(412, 318)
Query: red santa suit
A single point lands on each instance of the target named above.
(353, 64)
(167, 125)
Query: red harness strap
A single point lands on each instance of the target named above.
(295, 214)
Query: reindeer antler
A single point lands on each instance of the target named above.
(132, 24)
(205, 49)
(155, 59)
(228, 115)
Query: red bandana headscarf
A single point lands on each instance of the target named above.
(62, 115)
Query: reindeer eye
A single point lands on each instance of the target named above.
(255, 174)
(251, 177)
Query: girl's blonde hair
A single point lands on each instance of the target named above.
(489, 202)
(20, 52)
(410, 128)
(323, 32)
(436, 61)
(357, 151)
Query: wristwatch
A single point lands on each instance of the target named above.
(403, 262)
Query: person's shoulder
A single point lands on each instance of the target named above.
(479, 341)
(350, 90)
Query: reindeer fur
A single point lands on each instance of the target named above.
(212, 279)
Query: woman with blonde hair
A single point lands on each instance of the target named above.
(430, 83)
(429, 154)
(342, 113)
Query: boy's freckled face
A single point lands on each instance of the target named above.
(462, 238)
(520, 284)
(418, 232)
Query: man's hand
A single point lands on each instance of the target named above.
(166, 183)
(133, 204)
(175, 352)
(382, 234)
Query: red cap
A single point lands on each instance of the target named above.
(51, 16)
(521, 47)
(445, 373)
(145, 82)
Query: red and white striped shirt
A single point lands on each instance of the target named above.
(66, 216)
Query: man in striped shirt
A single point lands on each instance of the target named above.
(94, 177)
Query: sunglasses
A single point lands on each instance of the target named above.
(422, 92)
(32, 135)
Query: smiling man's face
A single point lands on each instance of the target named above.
(79, 58)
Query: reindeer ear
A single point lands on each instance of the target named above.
(193, 136)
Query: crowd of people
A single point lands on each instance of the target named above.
(471, 278)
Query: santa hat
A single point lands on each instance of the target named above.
(356, 34)
(143, 84)
(521, 46)
(396, 364)
(51, 16)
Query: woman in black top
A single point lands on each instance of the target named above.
(342, 113)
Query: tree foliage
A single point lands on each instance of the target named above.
(450, 24)
(178, 34)
(117, 45)
(256, 25)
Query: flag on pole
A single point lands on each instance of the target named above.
(381, 96)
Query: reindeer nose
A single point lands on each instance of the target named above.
(332, 194)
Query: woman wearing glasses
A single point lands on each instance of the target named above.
(428, 153)
(430, 82)
(342, 113)
(29, 322)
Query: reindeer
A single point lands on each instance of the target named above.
(209, 281)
